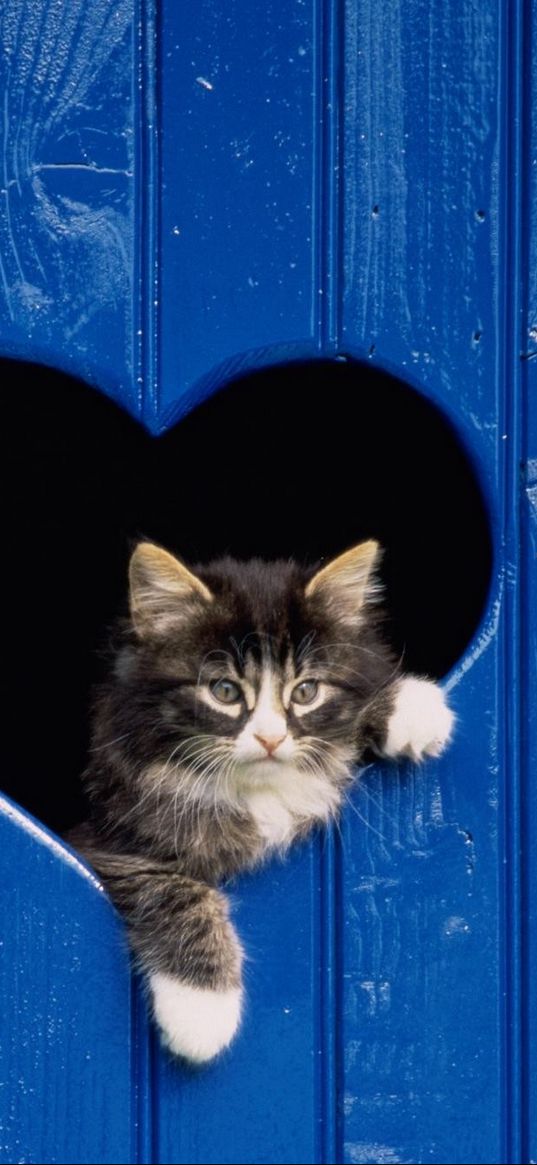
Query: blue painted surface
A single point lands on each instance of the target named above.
(67, 1040)
(67, 222)
(527, 208)
(185, 197)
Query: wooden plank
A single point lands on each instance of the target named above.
(261, 1102)
(235, 264)
(527, 207)
(66, 1042)
(68, 204)
(423, 927)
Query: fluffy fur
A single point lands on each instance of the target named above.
(241, 697)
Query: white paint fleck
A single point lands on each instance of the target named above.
(456, 925)
(531, 494)
(363, 1151)
(349, 1102)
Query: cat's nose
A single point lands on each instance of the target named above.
(271, 743)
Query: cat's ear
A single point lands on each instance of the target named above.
(348, 582)
(163, 593)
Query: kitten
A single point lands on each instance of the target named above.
(242, 696)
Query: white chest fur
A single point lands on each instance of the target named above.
(281, 805)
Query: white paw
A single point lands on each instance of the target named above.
(421, 723)
(194, 1022)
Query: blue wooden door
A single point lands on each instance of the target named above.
(187, 196)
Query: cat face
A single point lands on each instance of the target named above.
(247, 676)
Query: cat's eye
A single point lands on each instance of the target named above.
(225, 691)
(305, 692)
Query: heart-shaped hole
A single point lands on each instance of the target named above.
(303, 460)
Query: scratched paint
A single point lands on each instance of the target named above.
(531, 489)
(66, 208)
(359, 1151)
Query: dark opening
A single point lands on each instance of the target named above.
(302, 460)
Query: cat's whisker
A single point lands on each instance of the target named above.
(325, 648)
(156, 787)
(197, 761)
(109, 743)
(364, 820)
(304, 645)
(362, 790)
(323, 751)
(191, 800)
(345, 672)
(197, 774)
(193, 777)
(210, 754)
(384, 686)
(228, 773)
(202, 769)
(346, 645)
(135, 808)
(237, 648)
(316, 769)
(166, 776)
(203, 740)
(200, 803)
(188, 803)
(256, 637)
(201, 764)
(194, 757)
(219, 655)
(219, 791)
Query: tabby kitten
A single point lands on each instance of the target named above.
(242, 696)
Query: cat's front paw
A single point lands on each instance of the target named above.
(421, 723)
(194, 1022)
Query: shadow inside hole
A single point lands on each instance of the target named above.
(302, 460)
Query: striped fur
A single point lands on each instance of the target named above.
(240, 698)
